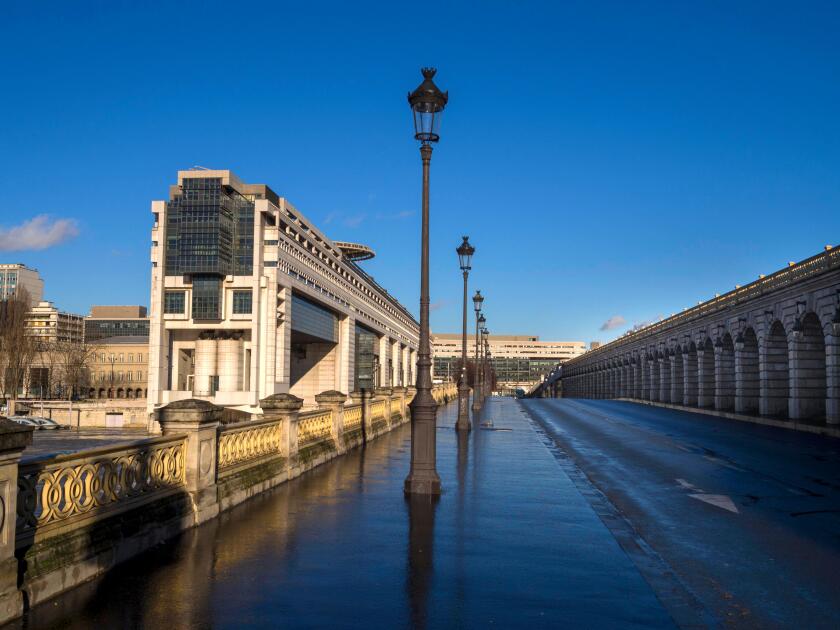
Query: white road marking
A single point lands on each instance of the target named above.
(718, 500)
(686, 485)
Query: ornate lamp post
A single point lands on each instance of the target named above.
(427, 103)
(478, 299)
(465, 253)
(485, 379)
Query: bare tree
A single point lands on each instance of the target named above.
(74, 358)
(17, 348)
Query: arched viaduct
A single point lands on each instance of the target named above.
(770, 348)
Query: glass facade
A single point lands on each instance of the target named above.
(508, 370)
(367, 361)
(242, 302)
(313, 320)
(207, 297)
(174, 302)
(96, 329)
(209, 235)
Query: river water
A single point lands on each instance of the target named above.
(511, 543)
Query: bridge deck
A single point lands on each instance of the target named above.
(512, 542)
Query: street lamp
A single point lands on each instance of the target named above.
(465, 253)
(427, 103)
(485, 359)
(478, 299)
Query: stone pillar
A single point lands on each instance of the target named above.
(284, 408)
(13, 439)
(705, 381)
(746, 378)
(724, 381)
(622, 381)
(644, 370)
(653, 364)
(664, 378)
(689, 379)
(363, 398)
(676, 365)
(398, 400)
(334, 402)
(199, 421)
(832, 375)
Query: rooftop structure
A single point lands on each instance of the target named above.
(116, 321)
(51, 325)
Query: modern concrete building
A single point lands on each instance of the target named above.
(116, 321)
(519, 360)
(45, 322)
(250, 299)
(16, 276)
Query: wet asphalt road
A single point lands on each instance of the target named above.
(738, 524)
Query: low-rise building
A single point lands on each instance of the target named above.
(50, 325)
(116, 321)
(518, 360)
(119, 367)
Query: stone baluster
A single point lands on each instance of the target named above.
(334, 401)
(13, 439)
(199, 421)
(285, 409)
(384, 393)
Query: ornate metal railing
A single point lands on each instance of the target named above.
(314, 427)
(239, 443)
(352, 417)
(377, 410)
(810, 267)
(59, 489)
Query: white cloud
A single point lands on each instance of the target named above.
(436, 306)
(40, 232)
(616, 321)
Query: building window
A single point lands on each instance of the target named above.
(121, 358)
(130, 358)
(242, 302)
(129, 376)
(270, 243)
(139, 376)
(139, 357)
(206, 297)
(173, 302)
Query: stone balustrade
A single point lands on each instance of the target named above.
(74, 516)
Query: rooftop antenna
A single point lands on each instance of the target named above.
(196, 167)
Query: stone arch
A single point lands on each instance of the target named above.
(91, 393)
(725, 373)
(774, 374)
(120, 392)
(101, 393)
(138, 393)
(808, 384)
(129, 393)
(636, 366)
(690, 375)
(677, 379)
(110, 392)
(706, 374)
(746, 372)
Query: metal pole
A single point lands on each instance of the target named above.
(476, 404)
(463, 423)
(423, 477)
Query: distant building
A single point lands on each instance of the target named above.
(116, 321)
(119, 367)
(16, 276)
(594, 344)
(250, 299)
(45, 322)
(518, 360)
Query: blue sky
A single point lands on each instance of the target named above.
(608, 160)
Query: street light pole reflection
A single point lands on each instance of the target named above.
(421, 533)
